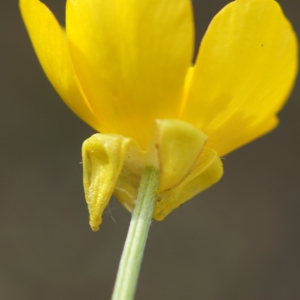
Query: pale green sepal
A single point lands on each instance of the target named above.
(103, 156)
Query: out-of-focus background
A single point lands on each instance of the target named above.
(236, 241)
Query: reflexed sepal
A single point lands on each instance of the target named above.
(186, 166)
(207, 170)
(129, 179)
(103, 156)
(113, 163)
(174, 148)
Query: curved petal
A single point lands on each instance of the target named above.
(51, 47)
(103, 156)
(131, 58)
(244, 72)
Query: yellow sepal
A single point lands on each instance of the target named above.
(128, 183)
(176, 146)
(103, 156)
(186, 167)
(113, 163)
(207, 170)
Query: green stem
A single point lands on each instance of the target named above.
(133, 251)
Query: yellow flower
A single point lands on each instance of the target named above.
(124, 67)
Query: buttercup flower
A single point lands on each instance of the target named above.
(125, 68)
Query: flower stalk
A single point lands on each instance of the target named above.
(133, 251)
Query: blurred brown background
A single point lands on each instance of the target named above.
(238, 240)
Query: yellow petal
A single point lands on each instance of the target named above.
(131, 58)
(207, 170)
(177, 145)
(244, 72)
(51, 47)
(103, 156)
